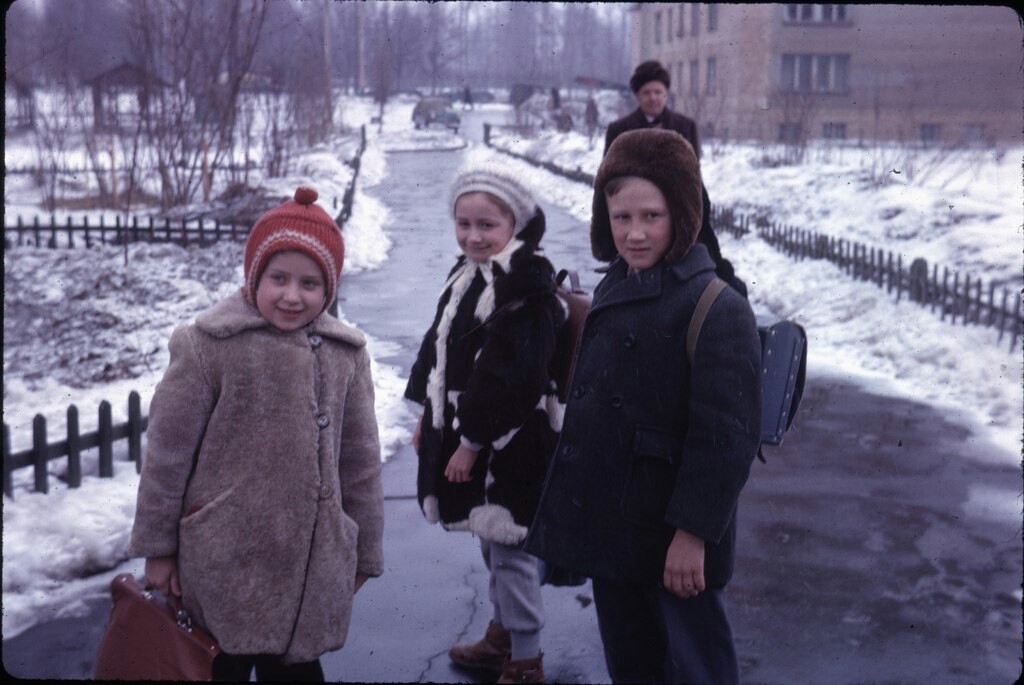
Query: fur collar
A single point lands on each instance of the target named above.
(234, 315)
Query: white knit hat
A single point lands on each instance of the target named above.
(491, 178)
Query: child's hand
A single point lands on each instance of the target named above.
(416, 435)
(162, 574)
(360, 579)
(460, 465)
(684, 565)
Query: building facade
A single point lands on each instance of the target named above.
(792, 72)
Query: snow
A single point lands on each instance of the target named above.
(963, 211)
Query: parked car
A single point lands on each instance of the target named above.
(435, 111)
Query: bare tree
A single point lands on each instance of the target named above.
(51, 138)
(195, 68)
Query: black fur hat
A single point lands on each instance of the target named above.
(651, 70)
(666, 159)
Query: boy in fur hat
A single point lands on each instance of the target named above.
(650, 84)
(490, 407)
(260, 502)
(641, 494)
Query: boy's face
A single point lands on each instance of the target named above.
(291, 291)
(482, 229)
(641, 223)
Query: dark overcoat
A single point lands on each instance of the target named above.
(483, 377)
(649, 444)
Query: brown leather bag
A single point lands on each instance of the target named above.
(148, 638)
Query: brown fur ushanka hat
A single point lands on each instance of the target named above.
(667, 160)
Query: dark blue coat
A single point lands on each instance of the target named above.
(648, 444)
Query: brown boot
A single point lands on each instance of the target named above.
(523, 670)
(489, 654)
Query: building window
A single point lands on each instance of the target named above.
(712, 76)
(831, 130)
(929, 133)
(681, 23)
(694, 76)
(815, 14)
(694, 19)
(974, 133)
(657, 28)
(789, 133)
(680, 73)
(712, 16)
(820, 73)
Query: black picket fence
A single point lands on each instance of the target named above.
(80, 233)
(107, 433)
(88, 169)
(962, 298)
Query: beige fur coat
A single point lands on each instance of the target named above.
(262, 474)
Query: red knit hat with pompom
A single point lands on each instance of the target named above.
(297, 225)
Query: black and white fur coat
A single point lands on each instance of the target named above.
(482, 376)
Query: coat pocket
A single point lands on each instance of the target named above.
(650, 476)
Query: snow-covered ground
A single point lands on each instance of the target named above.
(91, 327)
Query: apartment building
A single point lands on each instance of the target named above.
(791, 72)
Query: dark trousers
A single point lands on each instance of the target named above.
(269, 668)
(653, 636)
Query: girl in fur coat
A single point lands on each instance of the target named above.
(260, 503)
(490, 407)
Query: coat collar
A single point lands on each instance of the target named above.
(622, 287)
(234, 314)
(639, 120)
(696, 261)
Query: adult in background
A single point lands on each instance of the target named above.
(650, 84)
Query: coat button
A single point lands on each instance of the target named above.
(323, 420)
(616, 401)
(629, 341)
(325, 491)
(315, 340)
(568, 450)
(579, 392)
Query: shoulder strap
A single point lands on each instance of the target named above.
(700, 313)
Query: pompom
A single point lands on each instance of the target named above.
(305, 195)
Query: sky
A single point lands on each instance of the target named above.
(59, 549)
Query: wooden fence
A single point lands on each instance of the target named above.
(90, 169)
(80, 233)
(47, 232)
(960, 298)
(104, 437)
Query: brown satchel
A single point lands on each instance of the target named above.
(149, 638)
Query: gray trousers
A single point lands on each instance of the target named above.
(515, 593)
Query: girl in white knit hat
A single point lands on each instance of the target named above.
(490, 406)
